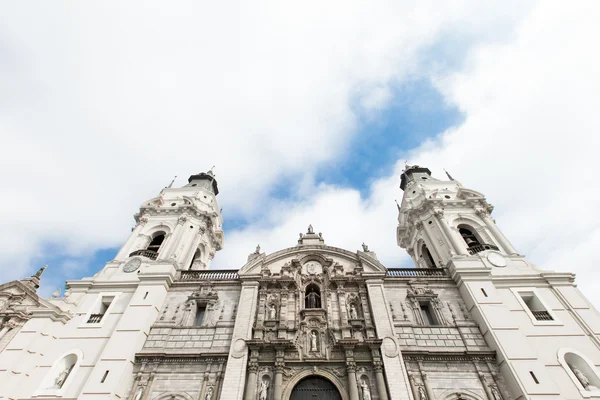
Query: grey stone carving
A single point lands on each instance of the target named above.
(209, 394)
(264, 390)
(353, 312)
(366, 392)
(313, 341)
(583, 379)
(139, 392)
(422, 393)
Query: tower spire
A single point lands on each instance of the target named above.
(448, 175)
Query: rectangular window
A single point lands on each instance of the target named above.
(104, 377)
(484, 293)
(200, 311)
(536, 307)
(534, 377)
(98, 313)
(427, 315)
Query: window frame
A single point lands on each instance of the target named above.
(101, 295)
(517, 292)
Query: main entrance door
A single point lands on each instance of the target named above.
(315, 388)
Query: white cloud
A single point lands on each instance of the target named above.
(100, 106)
(529, 142)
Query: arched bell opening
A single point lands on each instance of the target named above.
(466, 232)
(157, 240)
(426, 257)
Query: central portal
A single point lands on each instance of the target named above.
(315, 388)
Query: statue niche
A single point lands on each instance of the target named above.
(313, 296)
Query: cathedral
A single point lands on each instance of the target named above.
(473, 320)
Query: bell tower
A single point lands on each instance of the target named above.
(181, 226)
(529, 316)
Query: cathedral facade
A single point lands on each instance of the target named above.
(473, 320)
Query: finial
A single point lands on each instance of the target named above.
(40, 272)
(365, 247)
(397, 205)
(448, 175)
(405, 165)
(310, 229)
(172, 182)
(257, 251)
(210, 171)
(56, 293)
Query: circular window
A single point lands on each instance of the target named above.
(430, 222)
(446, 196)
(204, 196)
(173, 204)
(191, 226)
(423, 177)
(193, 184)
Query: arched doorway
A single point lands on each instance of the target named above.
(315, 388)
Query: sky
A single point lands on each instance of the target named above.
(307, 111)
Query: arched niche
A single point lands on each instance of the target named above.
(61, 374)
(312, 296)
(581, 370)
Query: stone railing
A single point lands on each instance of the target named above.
(478, 248)
(216, 275)
(151, 254)
(414, 272)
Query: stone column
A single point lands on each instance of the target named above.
(486, 388)
(129, 245)
(459, 246)
(489, 222)
(353, 389)
(174, 238)
(381, 389)
(148, 388)
(250, 393)
(279, 364)
(351, 370)
(427, 386)
(413, 386)
(431, 245)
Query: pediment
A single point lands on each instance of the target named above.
(310, 260)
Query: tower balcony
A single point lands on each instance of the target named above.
(151, 254)
(478, 248)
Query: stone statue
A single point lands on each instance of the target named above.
(585, 382)
(310, 229)
(312, 299)
(365, 247)
(139, 392)
(422, 394)
(353, 312)
(272, 311)
(313, 341)
(264, 390)
(209, 394)
(257, 251)
(366, 392)
(56, 293)
(62, 377)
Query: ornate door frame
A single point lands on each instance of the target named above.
(321, 373)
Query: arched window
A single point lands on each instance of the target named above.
(425, 258)
(156, 242)
(313, 296)
(196, 262)
(468, 236)
(581, 370)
